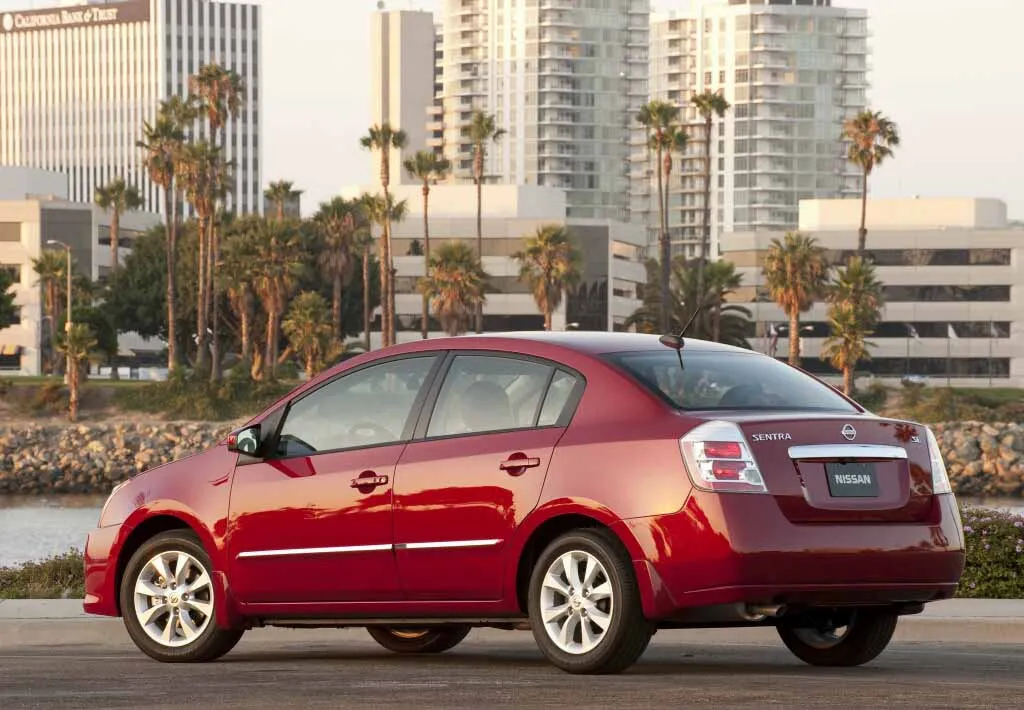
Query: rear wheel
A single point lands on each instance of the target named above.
(403, 639)
(851, 638)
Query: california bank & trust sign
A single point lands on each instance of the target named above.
(74, 17)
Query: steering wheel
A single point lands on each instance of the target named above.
(371, 432)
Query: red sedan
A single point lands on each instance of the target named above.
(591, 487)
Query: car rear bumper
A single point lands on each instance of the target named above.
(725, 549)
(101, 572)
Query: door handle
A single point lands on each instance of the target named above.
(519, 463)
(369, 480)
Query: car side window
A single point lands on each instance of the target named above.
(559, 395)
(369, 407)
(489, 393)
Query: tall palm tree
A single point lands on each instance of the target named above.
(118, 197)
(308, 330)
(709, 105)
(855, 305)
(364, 247)
(77, 345)
(550, 264)
(659, 118)
(239, 274)
(337, 221)
(279, 259)
(795, 272)
(280, 193)
(456, 284)
(720, 282)
(428, 168)
(383, 211)
(383, 139)
(51, 268)
(872, 139)
(483, 129)
(161, 142)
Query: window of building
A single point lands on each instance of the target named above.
(988, 294)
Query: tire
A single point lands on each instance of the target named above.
(609, 598)
(189, 597)
(867, 635)
(400, 639)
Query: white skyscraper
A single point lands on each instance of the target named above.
(793, 71)
(76, 84)
(564, 78)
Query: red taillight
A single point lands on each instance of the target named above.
(723, 450)
(727, 470)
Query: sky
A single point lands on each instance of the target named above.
(945, 70)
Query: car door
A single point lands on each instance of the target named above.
(475, 470)
(313, 522)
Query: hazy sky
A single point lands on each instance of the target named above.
(948, 71)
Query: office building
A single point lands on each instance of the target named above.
(564, 78)
(402, 66)
(76, 84)
(794, 71)
(953, 275)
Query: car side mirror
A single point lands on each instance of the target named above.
(247, 441)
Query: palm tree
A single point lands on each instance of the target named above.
(855, 305)
(456, 283)
(383, 139)
(338, 221)
(721, 281)
(77, 345)
(238, 274)
(709, 105)
(428, 168)
(281, 193)
(308, 330)
(118, 197)
(659, 119)
(383, 211)
(161, 142)
(279, 258)
(872, 138)
(483, 129)
(51, 268)
(550, 264)
(795, 272)
(364, 247)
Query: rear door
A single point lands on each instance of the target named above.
(476, 472)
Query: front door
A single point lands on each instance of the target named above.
(461, 491)
(313, 523)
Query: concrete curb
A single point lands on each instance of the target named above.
(1004, 610)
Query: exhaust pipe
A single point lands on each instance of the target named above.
(760, 612)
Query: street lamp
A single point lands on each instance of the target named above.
(67, 325)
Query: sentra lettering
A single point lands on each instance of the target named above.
(773, 437)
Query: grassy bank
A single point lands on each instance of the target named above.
(995, 564)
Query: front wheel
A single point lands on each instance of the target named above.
(852, 639)
(400, 639)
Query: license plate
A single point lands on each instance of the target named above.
(852, 480)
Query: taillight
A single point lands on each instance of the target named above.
(940, 477)
(718, 459)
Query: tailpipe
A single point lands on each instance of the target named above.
(760, 612)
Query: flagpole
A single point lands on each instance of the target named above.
(949, 362)
(991, 338)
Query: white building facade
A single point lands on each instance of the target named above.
(793, 71)
(76, 84)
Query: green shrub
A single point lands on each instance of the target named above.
(995, 555)
(873, 398)
(198, 400)
(60, 577)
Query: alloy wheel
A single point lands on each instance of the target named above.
(173, 598)
(576, 602)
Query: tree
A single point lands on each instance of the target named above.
(872, 138)
(280, 194)
(77, 345)
(709, 105)
(309, 331)
(550, 264)
(239, 272)
(483, 129)
(456, 284)
(279, 253)
(732, 321)
(383, 139)
(659, 119)
(428, 168)
(8, 311)
(51, 268)
(383, 211)
(118, 197)
(338, 220)
(855, 303)
(721, 281)
(795, 272)
(364, 247)
(99, 320)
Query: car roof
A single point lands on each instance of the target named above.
(589, 342)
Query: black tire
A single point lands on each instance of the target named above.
(401, 639)
(628, 632)
(212, 643)
(868, 633)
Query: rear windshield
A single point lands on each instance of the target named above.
(728, 381)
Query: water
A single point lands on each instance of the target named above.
(37, 527)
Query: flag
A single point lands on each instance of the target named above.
(913, 332)
(951, 333)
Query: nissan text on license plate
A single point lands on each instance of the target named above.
(852, 480)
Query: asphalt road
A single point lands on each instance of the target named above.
(91, 664)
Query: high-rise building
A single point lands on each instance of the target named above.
(76, 84)
(793, 71)
(564, 79)
(402, 90)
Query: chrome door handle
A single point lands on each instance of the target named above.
(518, 464)
(369, 482)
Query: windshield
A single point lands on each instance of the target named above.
(728, 381)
